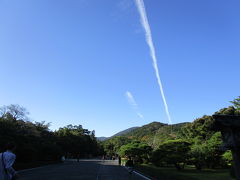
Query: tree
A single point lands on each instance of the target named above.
(227, 157)
(36, 142)
(199, 129)
(14, 112)
(198, 155)
(231, 110)
(77, 141)
(205, 148)
(172, 152)
(214, 152)
(109, 148)
(112, 146)
(137, 150)
(236, 103)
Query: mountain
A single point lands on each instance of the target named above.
(155, 133)
(102, 138)
(126, 131)
(148, 129)
(121, 133)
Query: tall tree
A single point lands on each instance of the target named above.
(236, 103)
(172, 152)
(14, 112)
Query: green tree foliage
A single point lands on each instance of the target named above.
(206, 153)
(194, 143)
(199, 129)
(139, 151)
(112, 145)
(77, 141)
(205, 148)
(206, 144)
(236, 103)
(231, 110)
(227, 157)
(35, 142)
(155, 133)
(167, 132)
(172, 152)
(197, 155)
(14, 112)
(152, 134)
(214, 151)
(146, 133)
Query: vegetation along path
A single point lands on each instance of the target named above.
(85, 170)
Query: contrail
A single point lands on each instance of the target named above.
(133, 103)
(148, 34)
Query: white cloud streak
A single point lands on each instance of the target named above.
(144, 21)
(133, 103)
(140, 115)
(131, 100)
(125, 5)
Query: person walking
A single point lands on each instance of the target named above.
(78, 157)
(63, 159)
(7, 160)
(130, 165)
(119, 161)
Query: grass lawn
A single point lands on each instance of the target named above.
(162, 173)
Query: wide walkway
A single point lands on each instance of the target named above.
(83, 170)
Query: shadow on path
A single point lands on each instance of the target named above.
(83, 170)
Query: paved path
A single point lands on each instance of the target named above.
(83, 170)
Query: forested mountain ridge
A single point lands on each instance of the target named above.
(194, 143)
(121, 133)
(102, 138)
(126, 131)
(148, 129)
(154, 133)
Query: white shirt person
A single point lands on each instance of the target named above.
(7, 160)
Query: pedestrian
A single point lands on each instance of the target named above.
(119, 160)
(7, 160)
(130, 165)
(63, 159)
(78, 157)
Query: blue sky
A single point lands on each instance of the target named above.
(72, 62)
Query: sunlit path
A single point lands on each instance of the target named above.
(85, 170)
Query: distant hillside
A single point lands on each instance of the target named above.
(155, 132)
(121, 133)
(126, 131)
(102, 138)
(148, 129)
(167, 132)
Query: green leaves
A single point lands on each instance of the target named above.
(35, 142)
(138, 150)
(231, 110)
(227, 157)
(236, 103)
(112, 146)
(172, 152)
